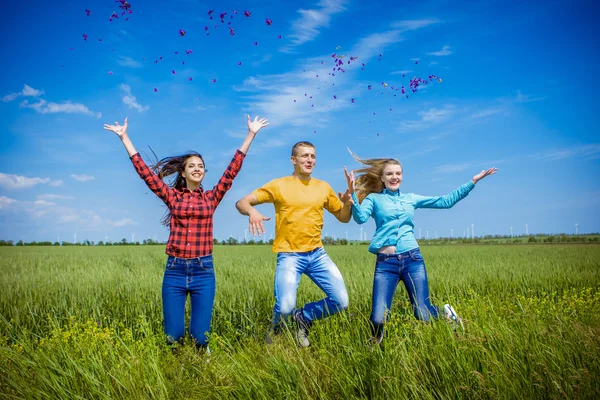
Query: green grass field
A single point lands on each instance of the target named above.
(86, 322)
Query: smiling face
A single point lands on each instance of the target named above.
(392, 176)
(194, 171)
(304, 160)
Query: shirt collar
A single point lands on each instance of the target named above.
(387, 191)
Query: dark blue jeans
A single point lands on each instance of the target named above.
(390, 269)
(196, 277)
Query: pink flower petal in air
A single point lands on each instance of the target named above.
(214, 80)
(176, 52)
(110, 72)
(206, 27)
(190, 79)
(222, 16)
(278, 36)
(85, 37)
(155, 90)
(239, 63)
(182, 32)
(352, 100)
(173, 71)
(268, 21)
(256, 43)
(87, 12)
(99, 39)
(246, 13)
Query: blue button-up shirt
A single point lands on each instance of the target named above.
(393, 214)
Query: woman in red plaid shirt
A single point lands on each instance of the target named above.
(189, 268)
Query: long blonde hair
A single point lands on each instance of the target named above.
(369, 180)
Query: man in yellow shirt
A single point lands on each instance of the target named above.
(300, 201)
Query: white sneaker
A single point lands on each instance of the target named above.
(452, 316)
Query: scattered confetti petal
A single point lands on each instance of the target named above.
(190, 79)
(214, 80)
(85, 37)
(239, 63)
(268, 21)
(278, 36)
(87, 12)
(181, 32)
(155, 90)
(246, 13)
(110, 72)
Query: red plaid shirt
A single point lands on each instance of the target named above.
(191, 230)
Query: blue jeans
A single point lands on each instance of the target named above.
(317, 265)
(196, 277)
(409, 268)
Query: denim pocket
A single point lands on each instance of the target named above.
(170, 263)
(416, 256)
(207, 263)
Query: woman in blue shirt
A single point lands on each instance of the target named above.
(378, 195)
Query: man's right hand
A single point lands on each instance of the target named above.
(256, 226)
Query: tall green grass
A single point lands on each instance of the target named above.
(86, 322)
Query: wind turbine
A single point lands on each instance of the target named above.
(526, 229)
(245, 235)
(346, 235)
(420, 236)
(361, 236)
(511, 231)
(451, 233)
(472, 231)
(132, 237)
(427, 234)
(577, 229)
(75, 238)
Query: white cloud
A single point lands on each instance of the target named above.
(55, 183)
(449, 168)
(402, 72)
(44, 203)
(4, 201)
(53, 197)
(306, 28)
(44, 107)
(127, 61)
(11, 181)
(486, 113)
(525, 98)
(123, 222)
(82, 178)
(411, 25)
(130, 99)
(445, 51)
(430, 117)
(27, 91)
(591, 151)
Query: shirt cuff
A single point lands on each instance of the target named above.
(239, 154)
(355, 199)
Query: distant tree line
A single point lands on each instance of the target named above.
(329, 241)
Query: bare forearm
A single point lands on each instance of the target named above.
(244, 207)
(128, 145)
(247, 142)
(345, 213)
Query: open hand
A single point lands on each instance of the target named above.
(484, 173)
(256, 226)
(256, 125)
(120, 130)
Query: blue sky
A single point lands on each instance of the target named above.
(518, 92)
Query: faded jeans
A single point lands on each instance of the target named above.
(317, 265)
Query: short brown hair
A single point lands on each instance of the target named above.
(301, 144)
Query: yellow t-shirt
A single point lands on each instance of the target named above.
(298, 211)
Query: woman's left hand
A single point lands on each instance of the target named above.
(256, 125)
(483, 174)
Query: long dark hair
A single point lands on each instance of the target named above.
(173, 165)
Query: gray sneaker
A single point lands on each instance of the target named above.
(452, 316)
(301, 328)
